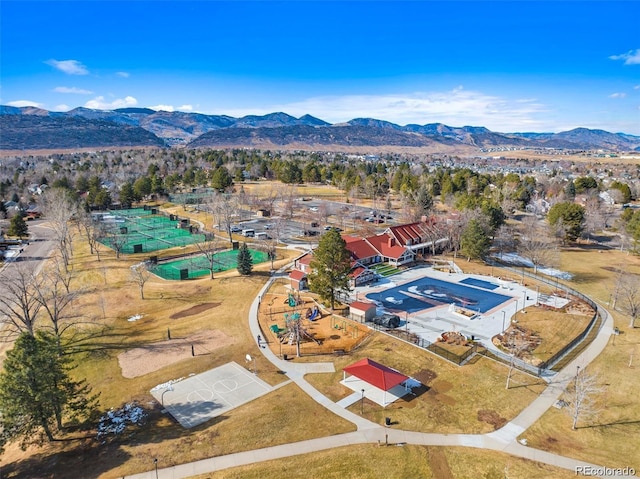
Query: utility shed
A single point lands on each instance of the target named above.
(362, 311)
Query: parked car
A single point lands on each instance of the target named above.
(236, 229)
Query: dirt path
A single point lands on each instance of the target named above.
(140, 361)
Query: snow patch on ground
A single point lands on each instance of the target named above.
(115, 421)
(517, 260)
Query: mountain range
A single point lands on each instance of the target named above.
(30, 128)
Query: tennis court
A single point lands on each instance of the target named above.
(204, 396)
(425, 293)
(140, 230)
(198, 265)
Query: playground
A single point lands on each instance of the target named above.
(197, 266)
(143, 230)
(295, 326)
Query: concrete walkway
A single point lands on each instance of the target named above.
(503, 440)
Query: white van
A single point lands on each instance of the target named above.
(249, 233)
(262, 236)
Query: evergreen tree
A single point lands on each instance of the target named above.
(18, 227)
(221, 179)
(570, 216)
(127, 196)
(36, 391)
(245, 261)
(475, 242)
(330, 267)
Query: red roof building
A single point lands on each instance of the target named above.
(303, 262)
(361, 251)
(420, 236)
(390, 250)
(362, 311)
(298, 279)
(376, 374)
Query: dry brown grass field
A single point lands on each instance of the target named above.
(470, 399)
(554, 329)
(393, 462)
(607, 438)
(453, 399)
(109, 300)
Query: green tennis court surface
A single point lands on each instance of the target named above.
(139, 230)
(198, 266)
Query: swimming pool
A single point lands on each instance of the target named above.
(480, 283)
(427, 293)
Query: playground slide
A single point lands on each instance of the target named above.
(314, 314)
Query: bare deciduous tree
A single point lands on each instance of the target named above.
(92, 231)
(516, 344)
(504, 240)
(59, 209)
(208, 248)
(628, 292)
(57, 301)
(140, 274)
(225, 209)
(536, 245)
(289, 198)
(581, 397)
(117, 241)
(19, 305)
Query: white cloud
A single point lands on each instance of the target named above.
(70, 67)
(99, 103)
(637, 87)
(61, 107)
(618, 95)
(77, 91)
(172, 108)
(457, 107)
(23, 103)
(123, 74)
(632, 57)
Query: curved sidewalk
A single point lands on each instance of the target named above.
(502, 440)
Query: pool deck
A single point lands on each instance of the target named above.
(430, 323)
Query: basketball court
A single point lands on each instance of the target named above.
(202, 397)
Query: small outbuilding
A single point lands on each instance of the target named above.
(376, 382)
(362, 311)
(298, 280)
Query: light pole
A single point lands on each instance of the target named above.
(504, 317)
(155, 462)
(362, 403)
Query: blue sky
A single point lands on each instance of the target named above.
(507, 65)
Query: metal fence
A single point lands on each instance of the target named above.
(595, 320)
(537, 370)
(428, 345)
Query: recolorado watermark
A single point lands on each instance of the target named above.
(605, 471)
